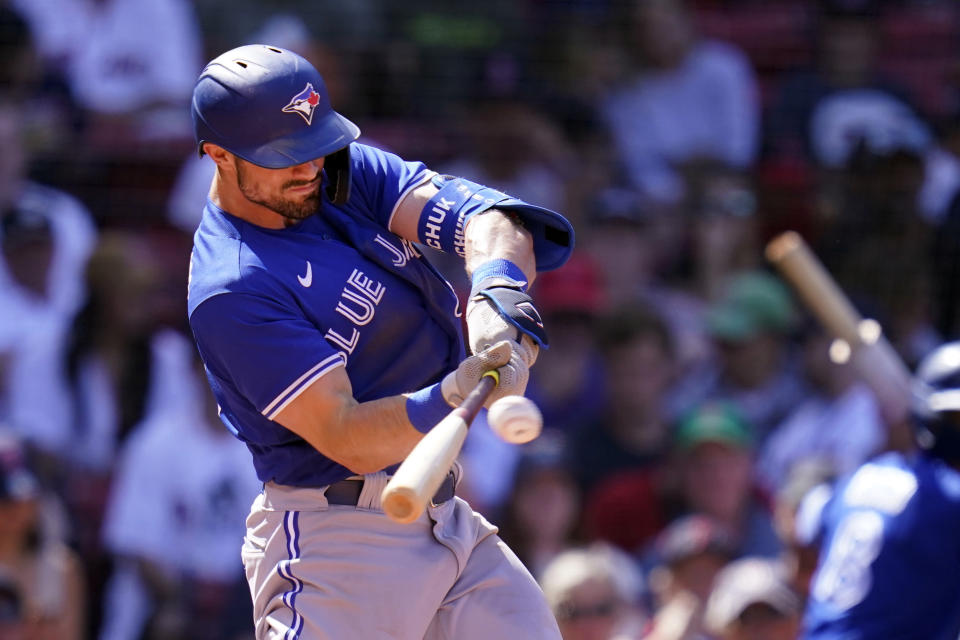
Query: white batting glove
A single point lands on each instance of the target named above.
(513, 371)
(486, 326)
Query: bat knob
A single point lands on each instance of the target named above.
(400, 504)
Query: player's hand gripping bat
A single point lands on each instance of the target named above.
(515, 419)
(421, 473)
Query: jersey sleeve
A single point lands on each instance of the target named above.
(268, 353)
(383, 179)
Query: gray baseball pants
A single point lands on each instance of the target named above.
(329, 572)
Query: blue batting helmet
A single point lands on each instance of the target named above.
(936, 406)
(268, 106)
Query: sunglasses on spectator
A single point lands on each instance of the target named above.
(571, 611)
(759, 613)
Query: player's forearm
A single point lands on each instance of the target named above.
(364, 437)
(373, 435)
(495, 235)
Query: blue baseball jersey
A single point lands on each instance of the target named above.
(273, 310)
(890, 561)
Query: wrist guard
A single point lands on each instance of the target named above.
(516, 308)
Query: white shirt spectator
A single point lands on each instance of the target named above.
(120, 56)
(706, 108)
(74, 236)
(189, 192)
(34, 398)
(941, 184)
(871, 117)
(34, 329)
(180, 498)
(171, 391)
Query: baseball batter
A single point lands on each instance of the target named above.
(332, 346)
(889, 563)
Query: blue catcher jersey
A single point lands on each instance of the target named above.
(274, 310)
(890, 560)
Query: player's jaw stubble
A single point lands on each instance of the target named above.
(292, 209)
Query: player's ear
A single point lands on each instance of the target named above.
(218, 154)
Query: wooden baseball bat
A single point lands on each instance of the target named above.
(423, 470)
(872, 356)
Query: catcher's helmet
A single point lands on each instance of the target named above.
(270, 107)
(936, 405)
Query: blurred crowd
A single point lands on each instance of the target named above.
(693, 411)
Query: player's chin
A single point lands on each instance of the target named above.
(304, 208)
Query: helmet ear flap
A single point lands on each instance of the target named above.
(936, 407)
(337, 167)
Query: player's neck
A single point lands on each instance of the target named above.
(229, 198)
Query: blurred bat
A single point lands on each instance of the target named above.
(857, 340)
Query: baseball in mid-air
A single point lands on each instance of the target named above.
(515, 419)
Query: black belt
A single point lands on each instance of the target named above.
(347, 492)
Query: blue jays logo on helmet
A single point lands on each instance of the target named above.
(304, 103)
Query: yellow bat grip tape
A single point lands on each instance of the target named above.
(493, 373)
